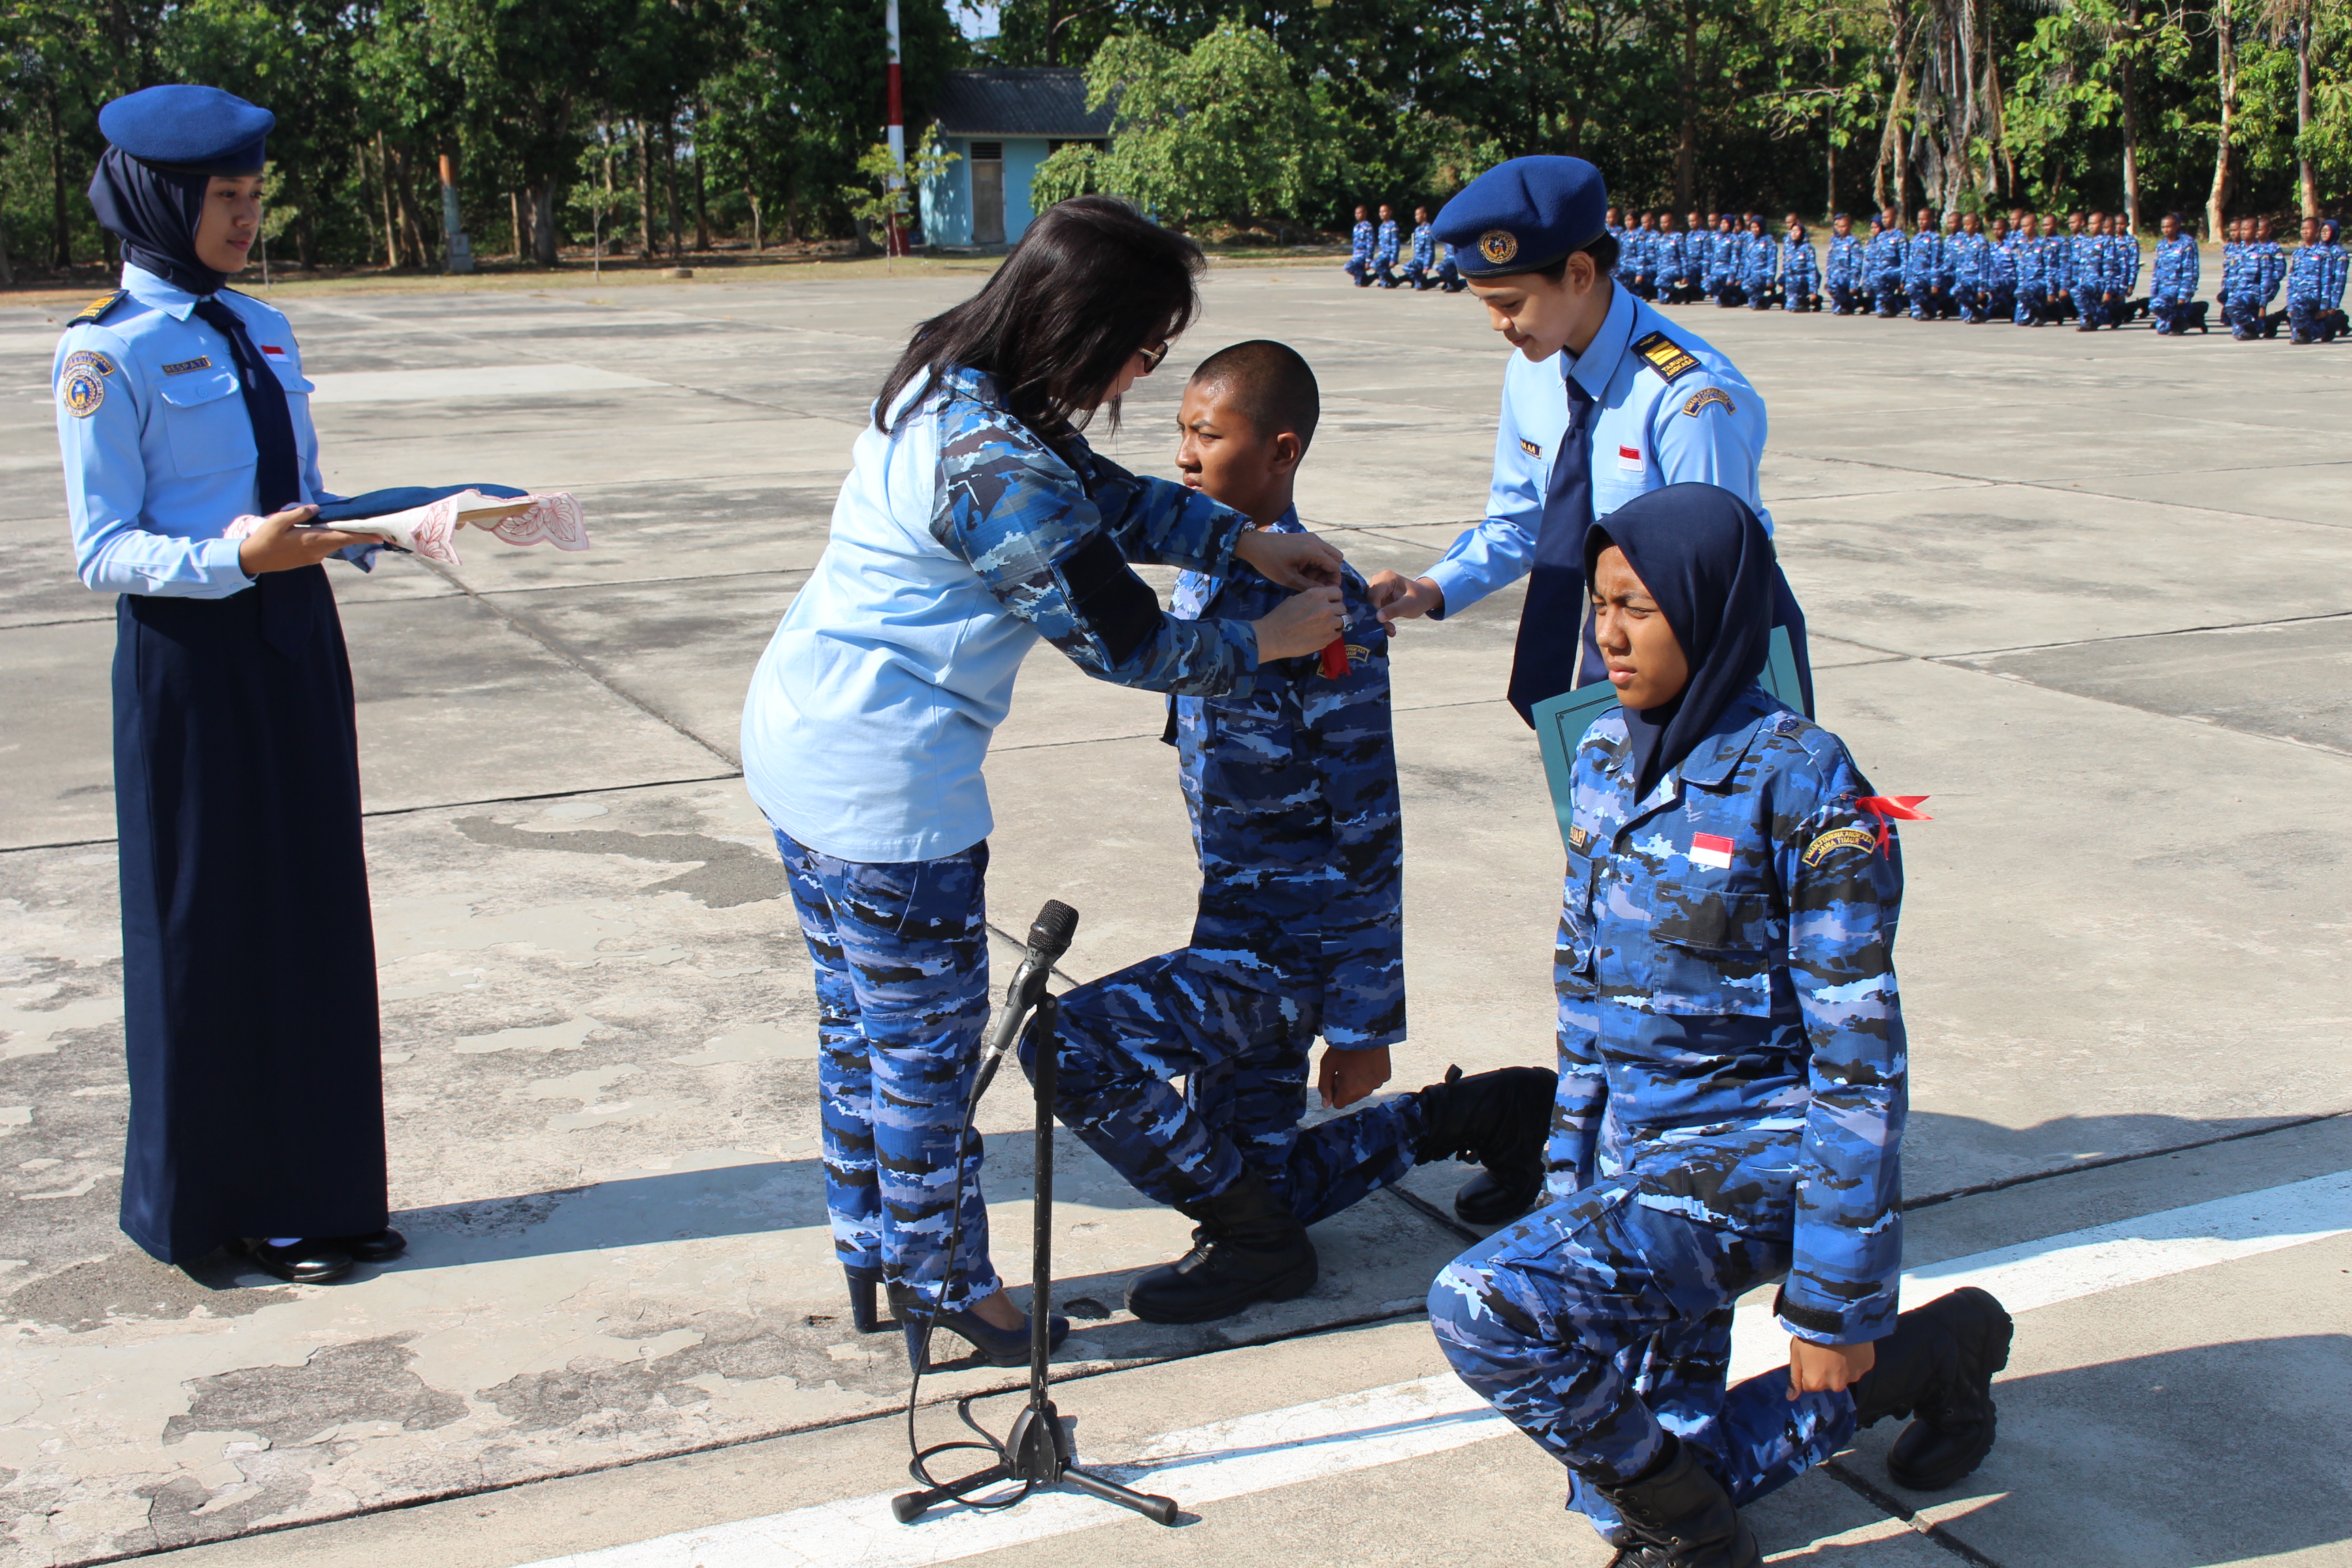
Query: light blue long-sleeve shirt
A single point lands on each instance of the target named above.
(1657, 421)
(159, 450)
(960, 539)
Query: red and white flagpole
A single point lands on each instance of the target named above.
(898, 125)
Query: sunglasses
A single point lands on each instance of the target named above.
(1153, 355)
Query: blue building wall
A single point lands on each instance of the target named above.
(946, 199)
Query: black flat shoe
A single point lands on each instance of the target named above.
(862, 1283)
(304, 1263)
(381, 1247)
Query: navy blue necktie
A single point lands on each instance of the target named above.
(1543, 665)
(286, 607)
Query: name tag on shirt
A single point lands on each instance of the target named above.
(181, 367)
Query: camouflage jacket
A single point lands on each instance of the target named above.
(1293, 794)
(1732, 1038)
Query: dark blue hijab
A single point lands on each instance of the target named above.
(153, 212)
(1708, 561)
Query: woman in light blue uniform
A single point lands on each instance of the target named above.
(975, 520)
(256, 1110)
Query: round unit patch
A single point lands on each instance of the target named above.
(1498, 246)
(83, 390)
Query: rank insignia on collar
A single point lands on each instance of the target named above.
(182, 366)
(1706, 395)
(1666, 356)
(97, 309)
(1529, 447)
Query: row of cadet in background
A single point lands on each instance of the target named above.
(2023, 270)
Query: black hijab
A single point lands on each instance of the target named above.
(153, 212)
(1708, 561)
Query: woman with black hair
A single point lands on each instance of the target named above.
(974, 521)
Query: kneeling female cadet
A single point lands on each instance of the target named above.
(1731, 1089)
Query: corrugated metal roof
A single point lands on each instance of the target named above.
(1019, 101)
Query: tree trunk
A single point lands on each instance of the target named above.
(1890, 143)
(411, 228)
(391, 224)
(1834, 130)
(2304, 176)
(2226, 80)
(542, 223)
(669, 179)
(61, 224)
(757, 246)
(646, 187)
(2131, 120)
(1686, 91)
(701, 188)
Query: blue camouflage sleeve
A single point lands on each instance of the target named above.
(1350, 737)
(1571, 1154)
(1846, 896)
(1056, 556)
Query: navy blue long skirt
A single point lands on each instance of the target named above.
(249, 1000)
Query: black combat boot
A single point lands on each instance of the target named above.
(1939, 1366)
(1246, 1246)
(1678, 1516)
(1498, 1120)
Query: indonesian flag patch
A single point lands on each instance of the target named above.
(1706, 849)
(1629, 456)
(273, 351)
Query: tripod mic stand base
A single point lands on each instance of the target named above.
(1037, 1451)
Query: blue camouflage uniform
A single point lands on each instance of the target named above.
(2088, 284)
(1359, 254)
(2173, 283)
(1843, 280)
(2032, 282)
(1969, 258)
(1641, 245)
(1800, 277)
(2000, 279)
(2059, 251)
(2315, 288)
(1292, 791)
(1722, 262)
(1885, 263)
(1923, 272)
(1424, 270)
(960, 538)
(2261, 270)
(1731, 1110)
(2124, 260)
(1384, 254)
(1760, 268)
(2233, 255)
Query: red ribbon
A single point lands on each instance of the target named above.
(1335, 660)
(1892, 808)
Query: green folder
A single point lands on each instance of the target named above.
(1562, 721)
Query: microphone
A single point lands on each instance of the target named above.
(1049, 938)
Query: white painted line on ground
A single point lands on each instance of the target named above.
(1433, 1414)
(478, 381)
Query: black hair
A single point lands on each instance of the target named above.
(1603, 249)
(1272, 386)
(1091, 283)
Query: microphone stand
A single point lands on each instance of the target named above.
(1036, 1452)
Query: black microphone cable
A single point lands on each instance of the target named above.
(1049, 939)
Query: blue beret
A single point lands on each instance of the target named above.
(1524, 215)
(189, 129)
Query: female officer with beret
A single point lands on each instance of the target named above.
(249, 1001)
(1605, 399)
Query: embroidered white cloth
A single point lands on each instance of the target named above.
(432, 531)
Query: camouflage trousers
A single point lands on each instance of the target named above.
(1242, 1056)
(901, 958)
(1600, 1325)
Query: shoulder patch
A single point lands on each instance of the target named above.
(1666, 356)
(81, 390)
(1529, 447)
(1837, 838)
(90, 357)
(97, 309)
(1706, 395)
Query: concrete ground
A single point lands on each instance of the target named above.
(2088, 593)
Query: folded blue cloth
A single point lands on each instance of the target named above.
(401, 498)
